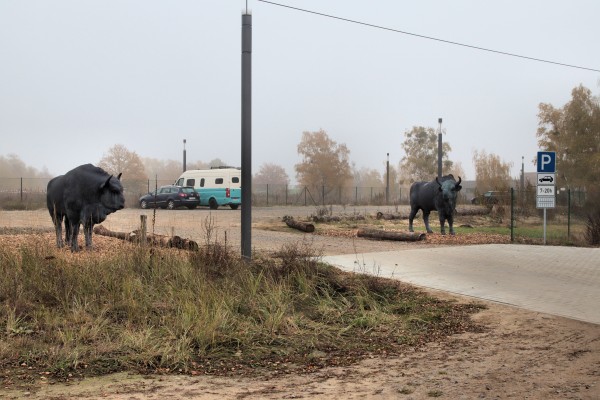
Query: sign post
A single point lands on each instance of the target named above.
(546, 182)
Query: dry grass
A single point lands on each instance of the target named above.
(125, 307)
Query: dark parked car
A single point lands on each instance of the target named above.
(491, 197)
(171, 197)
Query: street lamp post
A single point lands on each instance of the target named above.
(439, 166)
(184, 156)
(387, 185)
(246, 222)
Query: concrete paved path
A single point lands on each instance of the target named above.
(556, 280)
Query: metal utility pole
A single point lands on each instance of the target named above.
(184, 162)
(387, 185)
(246, 135)
(440, 149)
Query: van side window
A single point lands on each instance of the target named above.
(190, 182)
(218, 181)
(235, 179)
(202, 182)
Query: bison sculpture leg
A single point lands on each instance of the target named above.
(411, 217)
(67, 231)
(74, 236)
(87, 232)
(450, 226)
(57, 220)
(426, 221)
(450, 220)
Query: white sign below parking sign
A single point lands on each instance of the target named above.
(545, 179)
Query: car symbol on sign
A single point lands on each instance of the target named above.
(547, 179)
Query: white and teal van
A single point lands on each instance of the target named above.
(219, 186)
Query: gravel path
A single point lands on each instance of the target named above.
(269, 232)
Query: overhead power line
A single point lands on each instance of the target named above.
(429, 37)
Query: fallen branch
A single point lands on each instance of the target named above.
(302, 226)
(390, 235)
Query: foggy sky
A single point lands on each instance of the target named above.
(78, 76)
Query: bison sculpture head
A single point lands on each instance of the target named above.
(449, 189)
(111, 194)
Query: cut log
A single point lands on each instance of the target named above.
(154, 240)
(326, 218)
(302, 226)
(390, 235)
(101, 230)
(388, 216)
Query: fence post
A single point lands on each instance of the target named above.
(286, 194)
(569, 215)
(512, 215)
(267, 195)
(323, 193)
(143, 229)
(304, 196)
(356, 195)
(21, 189)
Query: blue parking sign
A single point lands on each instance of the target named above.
(546, 161)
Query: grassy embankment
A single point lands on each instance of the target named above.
(66, 315)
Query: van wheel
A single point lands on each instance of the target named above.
(212, 203)
(171, 205)
(234, 206)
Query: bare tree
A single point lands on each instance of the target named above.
(491, 173)
(368, 177)
(164, 170)
(573, 132)
(119, 159)
(271, 174)
(325, 163)
(421, 153)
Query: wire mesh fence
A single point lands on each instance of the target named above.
(518, 212)
(513, 210)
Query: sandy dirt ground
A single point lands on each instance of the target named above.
(520, 355)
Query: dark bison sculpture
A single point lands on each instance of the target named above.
(83, 196)
(440, 195)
